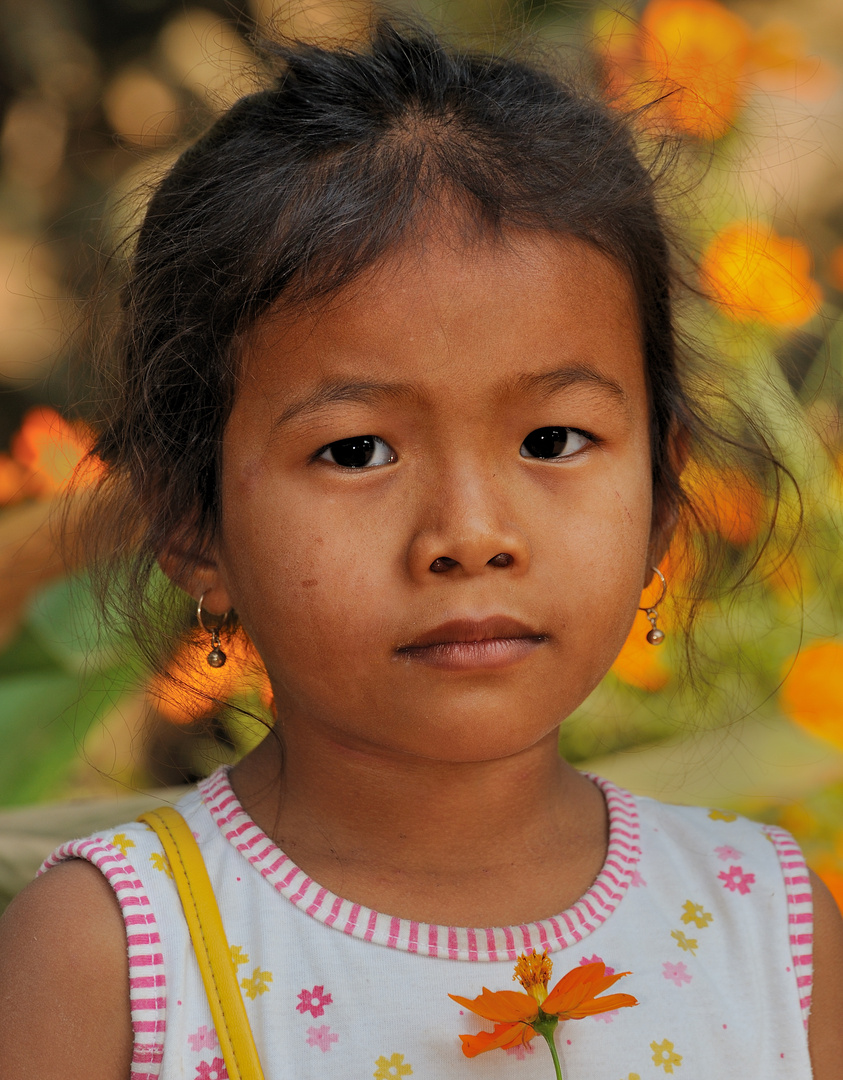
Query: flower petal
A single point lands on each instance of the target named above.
(578, 988)
(502, 1038)
(501, 1005)
(599, 1005)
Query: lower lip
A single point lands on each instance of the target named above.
(473, 655)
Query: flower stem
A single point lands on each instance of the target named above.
(548, 1038)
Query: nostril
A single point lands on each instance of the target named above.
(443, 563)
(503, 559)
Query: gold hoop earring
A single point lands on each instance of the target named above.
(654, 635)
(216, 658)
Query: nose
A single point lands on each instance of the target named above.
(469, 530)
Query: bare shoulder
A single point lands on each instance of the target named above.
(825, 1031)
(64, 980)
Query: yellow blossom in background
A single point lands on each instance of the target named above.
(697, 49)
(812, 694)
(755, 274)
(639, 663)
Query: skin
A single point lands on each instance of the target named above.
(335, 572)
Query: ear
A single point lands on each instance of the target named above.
(198, 577)
(665, 509)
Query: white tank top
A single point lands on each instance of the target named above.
(709, 911)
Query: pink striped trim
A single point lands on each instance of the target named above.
(458, 943)
(800, 912)
(149, 1010)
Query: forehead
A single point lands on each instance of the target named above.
(446, 314)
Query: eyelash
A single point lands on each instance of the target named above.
(369, 445)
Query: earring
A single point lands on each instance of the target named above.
(216, 657)
(654, 635)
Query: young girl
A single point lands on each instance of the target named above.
(399, 387)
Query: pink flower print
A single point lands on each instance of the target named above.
(736, 880)
(726, 853)
(595, 959)
(314, 1000)
(215, 1071)
(676, 973)
(321, 1037)
(520, 1052)
(204, 1039)
(636, 881)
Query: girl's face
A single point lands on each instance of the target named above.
(437, 498)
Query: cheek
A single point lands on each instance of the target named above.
(295, 574)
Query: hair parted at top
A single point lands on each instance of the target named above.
(300, 187)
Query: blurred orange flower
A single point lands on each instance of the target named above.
(812, 694)
(17, 482)
(639, 663)
(727, 500)
(193, 688)
(758, 275)
(47, 453)
(698, 49)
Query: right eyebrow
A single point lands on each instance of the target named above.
(341, 393)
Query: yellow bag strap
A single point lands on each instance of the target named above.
(237, 1043)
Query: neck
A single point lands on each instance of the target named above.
(489, 842)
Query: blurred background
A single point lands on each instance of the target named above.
(96, 99)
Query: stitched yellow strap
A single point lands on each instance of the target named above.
(208, 935)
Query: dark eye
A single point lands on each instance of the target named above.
(553, 442)
(360, 452)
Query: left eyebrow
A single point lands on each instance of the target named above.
(339, 393)
(549, 382)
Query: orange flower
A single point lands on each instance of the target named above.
(727, 501)
(758, 275)
(52, 450)
(812, 694)
(639, 663)
(193, 689)
(519, 1017)
(698, 49)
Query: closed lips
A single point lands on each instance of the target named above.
(472, 631)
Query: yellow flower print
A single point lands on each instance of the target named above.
(694, 913)
(238, 957)
(392, 1068)
(663, 1055)
(161, 863)
(123, 842)
(686, 943)
(722, 815)
(257, 984)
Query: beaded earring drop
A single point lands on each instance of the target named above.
(216, 657)
(654, 635)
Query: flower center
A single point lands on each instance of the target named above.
(533, 972)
